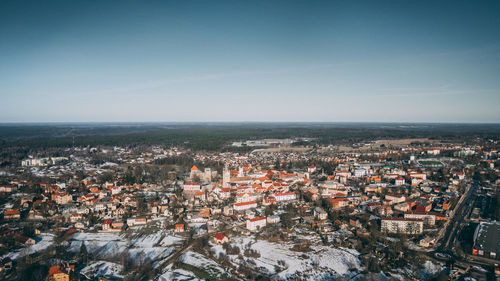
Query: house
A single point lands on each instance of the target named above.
(285, 196)
(11, 214)
(320, 214)
(227, 211)
(222, 193)
(268, 201)
(23, 240)
(256, 223)
(338, 203)
(136, 221)
(311, 169)
(244, 206)
(6, 188)
(273, 219)
(106, 224)
(360, 172)
(220, 238)
(60, 272)
(402, 225)
(429, 218)
(99, 207)
(79, 225)
(75, 217)
(179, 228)
(385, 211)
(245, 197)
(423, 207)
(420, 176)
(399, 181)
(372, 206)
(191, 187)
(402, 207)
(116, 225)
(394, 199)
(61, 198)
(427, 242)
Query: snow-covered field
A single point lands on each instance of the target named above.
(43, 241)
(194, 259)
(102, 269)
(177, 274)
(155, 246)
(322, 263)
(200, 261)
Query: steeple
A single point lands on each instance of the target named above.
(226, 177)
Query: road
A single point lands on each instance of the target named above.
(457, 221)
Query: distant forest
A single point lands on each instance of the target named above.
(216, 136)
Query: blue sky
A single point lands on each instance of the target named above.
(327, 61)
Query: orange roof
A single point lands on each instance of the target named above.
(11, 212)
(56, 269)
(219, 236)
(284, 194)
(257, 219)
(245, 203)
(194, 168)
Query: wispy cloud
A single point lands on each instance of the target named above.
(158, 84)
(440, 91)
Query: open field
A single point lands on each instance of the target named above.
(282, 149)
(404, 141)
(430, 162)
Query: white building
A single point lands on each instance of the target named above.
(226, 177)
(433, 151)
(402, 207)
(195, 173)
(320, 214)
(42, 161)
(273, 219)
(256, 223)
(63, 198)
(245, 197)
(395, 199)
(191, 187)
(399, 181)
(244, 206)
(428, 218)
(286, 196)
(136, 221)
(402, 225)
(311, 169)
(360, 173)
(6, 188)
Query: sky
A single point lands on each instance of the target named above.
(265, 61)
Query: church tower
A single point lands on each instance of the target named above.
(226, 177)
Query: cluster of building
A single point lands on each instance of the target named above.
(247, 192)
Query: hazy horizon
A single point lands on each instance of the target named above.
(258, 61)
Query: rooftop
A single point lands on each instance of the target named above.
(487, 236)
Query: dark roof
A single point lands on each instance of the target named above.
(486, 237)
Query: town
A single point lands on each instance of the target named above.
(262, 209)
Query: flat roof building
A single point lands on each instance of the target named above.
(487, 240)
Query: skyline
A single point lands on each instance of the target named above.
(279, 61)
